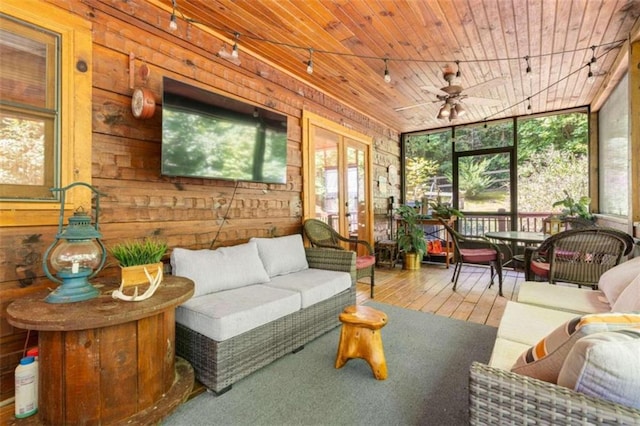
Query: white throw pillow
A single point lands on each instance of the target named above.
(629, 299)
(605, 365)
(221, 269)
(282, 255)
(616, 279)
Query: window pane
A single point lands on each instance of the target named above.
(484, 183)
(614, 152)
(28, 73)
(479, 136)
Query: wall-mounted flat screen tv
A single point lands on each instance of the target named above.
(208, 135)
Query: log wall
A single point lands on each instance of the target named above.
(125, 157)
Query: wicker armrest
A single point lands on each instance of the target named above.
(333, 260)
(502, 397)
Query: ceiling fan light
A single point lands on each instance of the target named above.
(453, 113)
(460, 110)
(444, 112)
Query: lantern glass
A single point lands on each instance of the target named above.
(73, 256)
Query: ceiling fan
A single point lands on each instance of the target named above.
(452, 95)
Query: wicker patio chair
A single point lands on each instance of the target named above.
(577, 256)
(320, 234)
(474, 249)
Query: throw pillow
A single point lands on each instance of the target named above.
(605, 365)
(221, 269)
(545, 359)
(282, 255)
(629, 299)
(615, 280)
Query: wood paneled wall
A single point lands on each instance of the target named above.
(125, 156)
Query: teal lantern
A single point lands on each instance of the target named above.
(77, 254)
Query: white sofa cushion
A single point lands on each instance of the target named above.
(629, 299)
(505, 353)
(570, 299)
(282, 255)
(528, 324)
(314, 285)
(221, 269)
(605, 365)
(226, 314)
(615, 280)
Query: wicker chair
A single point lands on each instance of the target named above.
(578, 256)
(321, 234)
(474, 249)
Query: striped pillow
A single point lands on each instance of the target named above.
(545, 359)
(605, 365)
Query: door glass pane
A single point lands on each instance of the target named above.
(356, 191)
(484, 183)
(326, 176)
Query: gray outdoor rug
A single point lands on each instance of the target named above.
(428, 358)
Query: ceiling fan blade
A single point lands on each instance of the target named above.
(495, 82)
(482, 101)
(434, 90)
(413, 106)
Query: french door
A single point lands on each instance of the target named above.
(338, 180)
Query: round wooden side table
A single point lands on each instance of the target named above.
(107, 361)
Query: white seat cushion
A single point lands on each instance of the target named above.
(529, 324)
(505, 353)
(570, 299)
(314, 285)
(226, 314)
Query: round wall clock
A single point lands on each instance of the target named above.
(143, 103)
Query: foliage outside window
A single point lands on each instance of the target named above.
(45, 111)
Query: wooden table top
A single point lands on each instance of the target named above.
(33, 313)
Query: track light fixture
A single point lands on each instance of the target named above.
(234, 51)
(310, 62)
(387, 76)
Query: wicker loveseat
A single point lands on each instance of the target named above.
(240, 320)
(502, 393)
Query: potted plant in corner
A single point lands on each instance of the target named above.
(140, 263)
(410, 237)
(443, 210)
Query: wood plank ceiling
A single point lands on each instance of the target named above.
(487, 39)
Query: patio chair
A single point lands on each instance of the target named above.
(320, 234)
(476, 250)
(577, 256)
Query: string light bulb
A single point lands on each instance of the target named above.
(529, 110)
(590, 77)
(310, 62)
(593, 58)
(173, 21)
(457, 69)
(234, 51)
(387, 76)
(528, 69)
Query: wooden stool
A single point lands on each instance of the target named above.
(360, 338)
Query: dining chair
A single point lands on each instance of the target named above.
(320, 234)
(474, 249)
(577, 256)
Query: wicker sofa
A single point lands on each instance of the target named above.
(501, 396)
(239, 321)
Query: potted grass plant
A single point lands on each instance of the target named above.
(138, 259)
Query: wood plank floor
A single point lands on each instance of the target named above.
(429, 289)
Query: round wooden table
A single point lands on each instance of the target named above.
(107, 361)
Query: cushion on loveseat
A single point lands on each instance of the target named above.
(226, 314)
(221, 269)
(282, 255)
(314, 285)
(629, 299)
(605, 365)
(613, 282)
(545, 359)
(564, 298)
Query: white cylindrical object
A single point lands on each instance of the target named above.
(26, 377)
